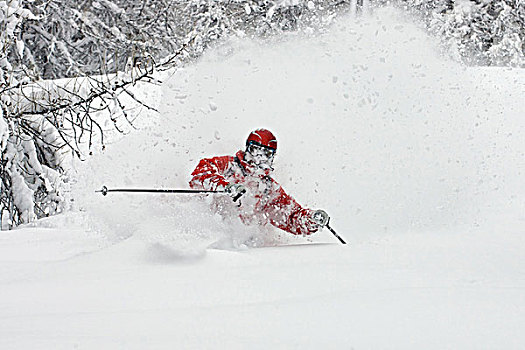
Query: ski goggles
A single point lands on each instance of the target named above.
(255, 148)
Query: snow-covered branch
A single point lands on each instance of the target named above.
(475, 32)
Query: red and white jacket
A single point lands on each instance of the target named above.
(265, 201)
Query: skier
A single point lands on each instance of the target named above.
(259, 198)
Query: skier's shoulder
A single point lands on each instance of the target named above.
(215, 163)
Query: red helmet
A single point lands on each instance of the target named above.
(262, 137)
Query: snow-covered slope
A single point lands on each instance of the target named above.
(405, 291)
(419, 162)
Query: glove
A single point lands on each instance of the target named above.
(235, 191)
(320, 218)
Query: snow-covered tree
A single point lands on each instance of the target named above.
(42, 121)
(508, 34)
(66, 38)
(28, 175)
(477, 32)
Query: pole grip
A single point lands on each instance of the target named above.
(239, 195)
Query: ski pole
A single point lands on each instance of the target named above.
(335, 234)
(105, 190)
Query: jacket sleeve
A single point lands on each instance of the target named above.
(285, 213)
(209, 173)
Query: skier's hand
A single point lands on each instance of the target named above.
(235, 191)
(319, 218)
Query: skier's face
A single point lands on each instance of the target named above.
(260, 156)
